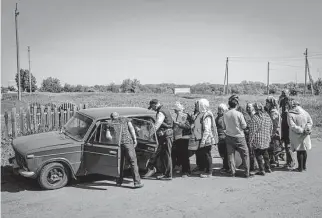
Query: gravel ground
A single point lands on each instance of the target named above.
(280, 194)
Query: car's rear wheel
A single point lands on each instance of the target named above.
(53, 176)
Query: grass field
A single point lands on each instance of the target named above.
(312, 104)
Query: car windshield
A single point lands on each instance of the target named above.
(77, 126)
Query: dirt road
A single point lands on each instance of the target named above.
(280, 194)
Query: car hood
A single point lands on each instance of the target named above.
(41, 141)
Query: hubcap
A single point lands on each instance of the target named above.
(55, 175)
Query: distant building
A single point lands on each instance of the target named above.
(181, 90)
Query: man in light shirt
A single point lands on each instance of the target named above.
(235, 124)
(163, 127)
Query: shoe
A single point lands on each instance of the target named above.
(298, 170)
(231, 174)
(223, 170)
(185, 175)
(138, 185)
(165, 178)
(260, 173)
(268, 171)
(150, 173)
(204, 175)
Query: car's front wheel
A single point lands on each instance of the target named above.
(53, 176)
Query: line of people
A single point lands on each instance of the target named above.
(257, 133)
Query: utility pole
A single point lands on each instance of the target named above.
(227, 75)
(29, 70)
(305, 71)
(224, 91)
(268, 78)
(310, 77)
(17, 45)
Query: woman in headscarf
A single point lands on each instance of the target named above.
(222, 147)
(182, 132)
(205, 133)
(260, 136)
(275, 145)
(300, 123)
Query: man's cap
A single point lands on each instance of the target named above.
(233, 97)
(153, 102)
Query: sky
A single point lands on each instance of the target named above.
(162, 41)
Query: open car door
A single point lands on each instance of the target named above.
(102, 152)
(146, 135)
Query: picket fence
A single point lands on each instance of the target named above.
(38, 118)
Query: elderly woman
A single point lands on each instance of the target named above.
(260, 136)
(300, 127)
(275, 146)
(222, 147)
(204, 131)
(182, 131)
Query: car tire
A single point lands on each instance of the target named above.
(53, 176)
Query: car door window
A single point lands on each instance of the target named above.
(144, 130)
(107, 134)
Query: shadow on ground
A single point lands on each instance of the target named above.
(15, 183)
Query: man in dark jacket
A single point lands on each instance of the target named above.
(163, 127)
(283, 102)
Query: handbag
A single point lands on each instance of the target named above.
(193, 144)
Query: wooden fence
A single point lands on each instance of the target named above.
(38, 118)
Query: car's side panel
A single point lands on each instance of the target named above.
(72, 155)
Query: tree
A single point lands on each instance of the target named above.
(129, 85)
(51, 85)
(24, 81)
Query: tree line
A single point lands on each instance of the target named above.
(54, 85)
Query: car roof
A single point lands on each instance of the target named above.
(105, 112)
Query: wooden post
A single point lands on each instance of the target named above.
(34, 118)
(22, 123)
(49, 117)
(56, 117)
(67, 114)
(6, 122)
(61, 117)
(28, 118)
(14, 123)
(43, 118)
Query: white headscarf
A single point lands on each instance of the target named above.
(223, 107)
(203, 105)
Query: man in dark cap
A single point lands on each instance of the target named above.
(163, 127)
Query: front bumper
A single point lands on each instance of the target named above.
(21, 171)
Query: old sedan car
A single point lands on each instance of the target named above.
(82, 147)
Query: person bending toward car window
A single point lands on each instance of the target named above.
(163, 127)
(128, 144)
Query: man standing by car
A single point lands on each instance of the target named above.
(128, 144)
(163, 127)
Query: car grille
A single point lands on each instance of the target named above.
(20, 160)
